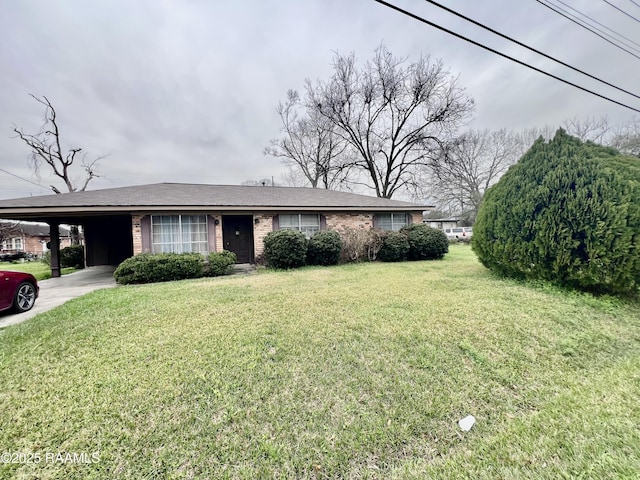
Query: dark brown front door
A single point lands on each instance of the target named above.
(237, 236)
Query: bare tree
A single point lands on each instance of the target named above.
(9, 230)
(309, 144)
(394, 116)
(46, 149)
(589, 129)
(469, 165)
(626, 138)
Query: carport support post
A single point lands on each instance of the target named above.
(54, 235)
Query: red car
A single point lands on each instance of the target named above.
(18, 291)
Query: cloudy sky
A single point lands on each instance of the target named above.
(185, 91)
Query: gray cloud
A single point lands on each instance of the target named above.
(186, 91)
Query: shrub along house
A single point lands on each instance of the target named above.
(173, 217)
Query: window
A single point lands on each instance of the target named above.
(305, 223)
(17, 244)
(391, 221)
(179, 233)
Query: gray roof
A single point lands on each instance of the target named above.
(35, 229)
(171, 196)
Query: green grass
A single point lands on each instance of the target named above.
(356, 371)
(40, 270)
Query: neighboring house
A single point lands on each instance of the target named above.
(172, 217)
(443, 223)
(31, 238)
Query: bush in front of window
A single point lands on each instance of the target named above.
(359, 244)
(425, 243)
(285, 249)
(324, 248)
(220, 263)
(162, 267)
(395, 247)
(72, 257)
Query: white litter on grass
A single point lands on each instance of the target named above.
(467, 422)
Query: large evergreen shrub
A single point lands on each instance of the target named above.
(162, 267)
(425, 242)
(568, 212)
(285, 249)
(324, 248)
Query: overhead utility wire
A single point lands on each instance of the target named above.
(601, 24)
(14, 175)
(559, 12)
(635, 3)
(457, 35)
(620, 10)
(530, 48)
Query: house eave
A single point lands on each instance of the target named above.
(83, 211)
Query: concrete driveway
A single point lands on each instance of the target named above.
(56, 291)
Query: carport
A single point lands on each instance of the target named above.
(107, 236)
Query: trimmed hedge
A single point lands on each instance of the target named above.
(395, 247)
(567, 212)
(285, 249)
(425, 242)
(324, 248)
(162, 267)
(220, 263)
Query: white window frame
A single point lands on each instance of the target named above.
(395, 224)
(302, 224)
(179, 244)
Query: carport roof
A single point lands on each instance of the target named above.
(180, 196)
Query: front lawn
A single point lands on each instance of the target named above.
(356, 371)
(40, 270)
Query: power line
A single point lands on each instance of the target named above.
(481, 25)
(620, 10)
(568, 17)
(21, 178)
(601, 24)
(635, 3)
(520, 62)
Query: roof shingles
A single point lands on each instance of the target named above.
(198, 195)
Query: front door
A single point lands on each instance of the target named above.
(237, 236)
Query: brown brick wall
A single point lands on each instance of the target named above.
(136, 232)
(260, 230)
(218, 232)
(417, 217)
(341, 221)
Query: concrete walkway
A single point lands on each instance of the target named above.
(56, 291)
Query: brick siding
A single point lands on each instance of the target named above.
(342, 221)
(260, 230)
(136, 233)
